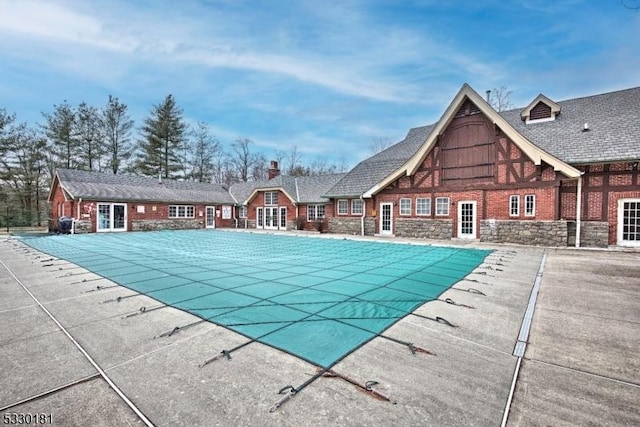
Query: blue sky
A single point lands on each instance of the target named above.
(329, 77)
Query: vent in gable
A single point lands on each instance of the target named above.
(467, 109)
(540, 111)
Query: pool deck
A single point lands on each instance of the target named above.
(581, 365)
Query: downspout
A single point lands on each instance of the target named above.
(298, 214)
(246, 220)
(578, 210)
(73, 224)
(364, 213)
(235, 219)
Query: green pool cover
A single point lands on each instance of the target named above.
(319, 299)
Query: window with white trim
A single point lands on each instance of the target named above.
(514, 205)
(315, 212)
(271, 198)
(242, 212)
(181, 211)
(423, 206)
(343, 207)
(405, 206)
(356, 207)
(442, 206)
(530, 205)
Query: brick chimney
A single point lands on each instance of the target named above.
(273, 169)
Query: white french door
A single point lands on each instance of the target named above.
(467, 220)
(629, 222)
(210, 217)
(282, 222)
(270, 218)
(111, 217)
(386, 218)
(259, 217)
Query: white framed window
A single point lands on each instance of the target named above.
(242, 212)
(514, 205)
(405, 206)
(442, 206)
(181, 211)
(423, 206)
(271, 198)
(530, 205)
(315, 212)
(356, 207)
(343, 207)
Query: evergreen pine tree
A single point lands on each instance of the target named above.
(164, 133)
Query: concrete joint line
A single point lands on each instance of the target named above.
(115, 388)
(523, 336)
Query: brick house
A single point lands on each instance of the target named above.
(552, 173)
(104, 202)
(285, 202)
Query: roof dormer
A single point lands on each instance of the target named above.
(541, 109)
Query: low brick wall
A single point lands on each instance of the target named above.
(593, 234)
(539, 233)
(166, 224)
(352, 226)
(440, 229)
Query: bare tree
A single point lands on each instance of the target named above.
(499, 98)
(380, 144)
(294, 158)
(242, 158)
(260, 168)
(320, 166)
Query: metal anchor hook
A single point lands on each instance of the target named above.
(287, 392)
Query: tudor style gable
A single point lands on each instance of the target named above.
(467, 146)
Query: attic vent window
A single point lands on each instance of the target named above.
(467, 109)
(540, 111)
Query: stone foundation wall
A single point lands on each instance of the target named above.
(539, 233)
(352, 226)
(440, 229)
(593, 234)
(81, 226)
(165, 224)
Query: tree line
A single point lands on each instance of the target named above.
(106, 139)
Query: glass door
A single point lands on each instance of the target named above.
(283, 219)
(467, 220)
(119, 213)
(386, 218)
(210, 217)
(260, 218)
(629, 222)
(103, 222)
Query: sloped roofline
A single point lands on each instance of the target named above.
(466, 92)
(56, 179)
(256, 190)
(555, 107)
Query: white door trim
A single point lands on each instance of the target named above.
(211, 217)
(474, 217)
(620, 225)
(260, 217)
(110, 225)
(382, 207)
